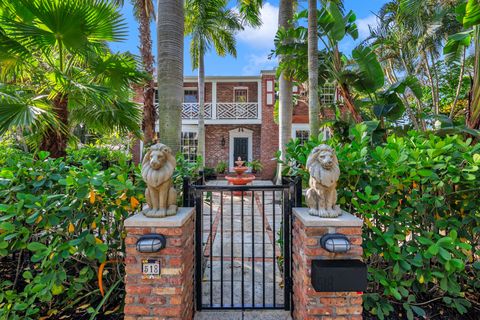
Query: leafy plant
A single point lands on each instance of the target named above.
(221, 167)
(255, 165)
(60, 219)
(418, 196)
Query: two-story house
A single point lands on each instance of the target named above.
(239, 119)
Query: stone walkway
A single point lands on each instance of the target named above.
(224, 251)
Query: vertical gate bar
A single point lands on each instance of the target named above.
(287, 203)
(263, 245)
(253, 249)
(274, 257)
(198, 248)
(186, 191)
(243, 284)
(211, 249)
(231, 243)
(221, 249)
(298, 191)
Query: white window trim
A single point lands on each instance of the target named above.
(299, 126)
(306, 126)
(236, 134)
(240, 88)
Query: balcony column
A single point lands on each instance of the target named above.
(214, 99)
(259, 100)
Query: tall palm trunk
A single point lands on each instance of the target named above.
(55, 140)
(435, 74)
(149, 113)
(459, 85)
(170, 36)
(430, 79)
(474, 107)
(285, 108)
(313, 104)
(201, 107)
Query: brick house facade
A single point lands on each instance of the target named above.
(239, 120)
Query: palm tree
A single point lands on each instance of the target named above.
(313, 104)
(58, 71)
(144, 12)
(170, 37)
(209, 23)
(285, 103)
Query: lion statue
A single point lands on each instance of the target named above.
(321, 197)
(157, 170)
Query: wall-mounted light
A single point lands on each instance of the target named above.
(335, 242)
(151, 243)
(222, 142)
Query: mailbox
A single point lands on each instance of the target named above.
(339, 275)
(151, 243)
(335, 242)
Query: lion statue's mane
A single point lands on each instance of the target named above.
(322, 195)
(154, 177)
(157, 171)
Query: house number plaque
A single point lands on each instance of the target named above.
(150, 269)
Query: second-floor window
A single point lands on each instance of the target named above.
(190, 96)
(240, 95)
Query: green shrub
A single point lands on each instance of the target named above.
(59, 220)
(418, 195)
(221, 167)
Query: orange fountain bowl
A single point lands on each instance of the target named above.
(240, 180)
(240, 170)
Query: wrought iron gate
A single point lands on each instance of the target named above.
(243, 246)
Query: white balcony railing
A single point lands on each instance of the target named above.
(222, 111)
(190, 111)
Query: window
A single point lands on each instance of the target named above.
(327, 95)
(240, 95)
(189, 145)
(190, 96)
(302, 135)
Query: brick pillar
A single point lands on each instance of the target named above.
(307, 231)
(171, 296)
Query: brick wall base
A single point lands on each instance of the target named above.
(307, 231)
(172, 295)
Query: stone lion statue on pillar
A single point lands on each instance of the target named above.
(157, 170)
(321, 197)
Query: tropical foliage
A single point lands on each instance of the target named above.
(209, 24)
(395, 74)
(418, 196)
(56, 71)
(60, 220)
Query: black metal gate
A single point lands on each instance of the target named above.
(243, 245)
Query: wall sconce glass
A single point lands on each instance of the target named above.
(223, 142)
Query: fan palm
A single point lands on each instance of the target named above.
(56, 51)
(209, 24)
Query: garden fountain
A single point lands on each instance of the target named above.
(240, 178)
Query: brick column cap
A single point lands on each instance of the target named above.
(344, 220)
(176, 221)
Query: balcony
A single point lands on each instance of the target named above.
(223, 112)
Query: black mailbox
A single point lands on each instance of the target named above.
(339, 275)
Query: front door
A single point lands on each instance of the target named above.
(240, 149)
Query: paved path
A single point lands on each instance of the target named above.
(224, 251)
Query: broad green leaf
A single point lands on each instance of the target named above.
(36, 246)
(472, 14)
(370, 68)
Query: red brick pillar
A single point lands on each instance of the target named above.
(171, 294)
(307, 231)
